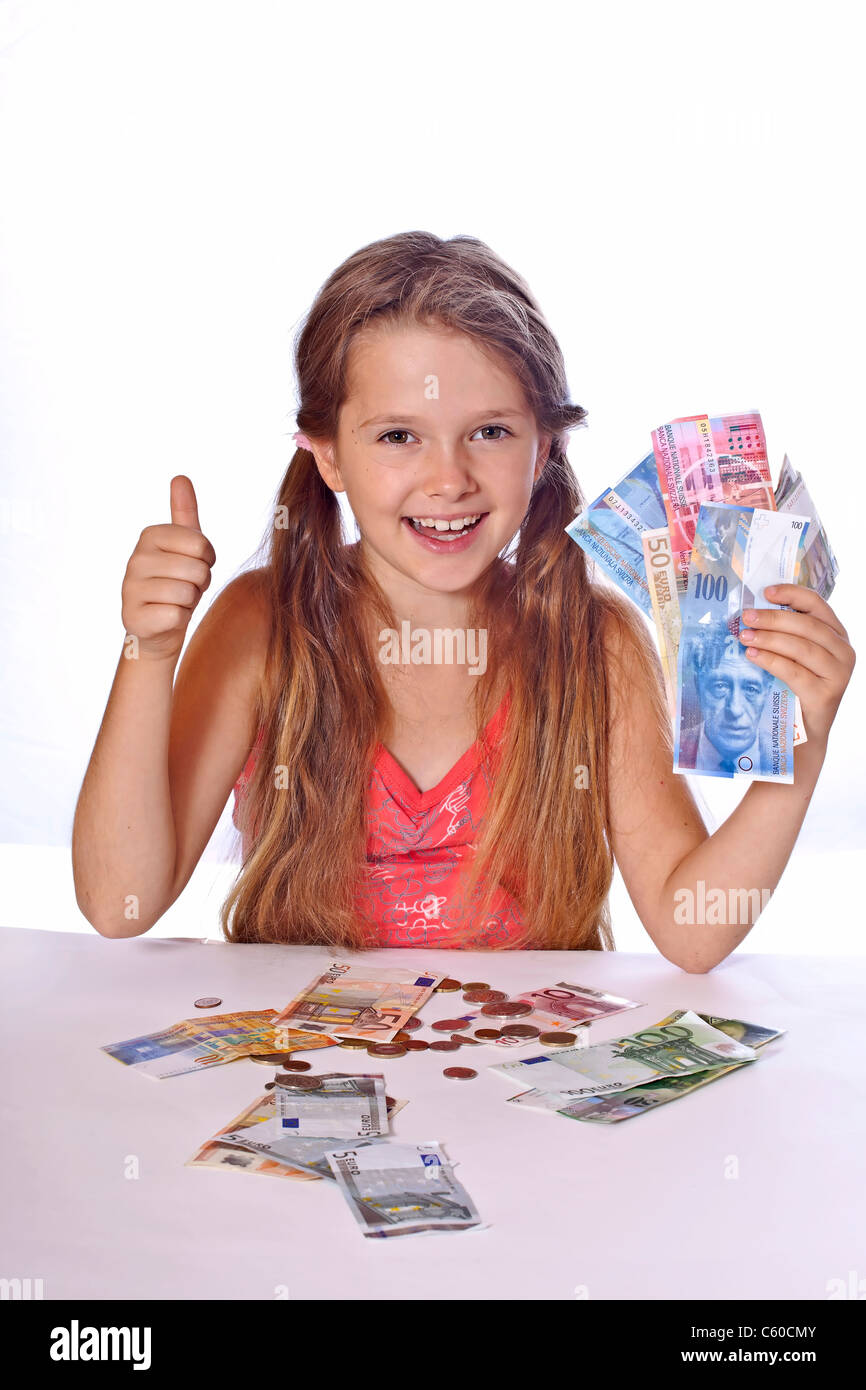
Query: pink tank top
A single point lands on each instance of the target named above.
(416, 844)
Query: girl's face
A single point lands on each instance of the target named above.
(433, 429)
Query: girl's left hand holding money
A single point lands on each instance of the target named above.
(805, 646)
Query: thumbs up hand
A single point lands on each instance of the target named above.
(167, 573)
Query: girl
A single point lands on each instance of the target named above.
(427, 802)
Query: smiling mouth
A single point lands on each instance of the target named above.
(443, 532)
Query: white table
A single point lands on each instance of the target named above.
(645, 1209)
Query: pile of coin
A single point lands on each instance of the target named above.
(493, 1004)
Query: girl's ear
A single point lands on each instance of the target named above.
(323, 453)
(544, 443)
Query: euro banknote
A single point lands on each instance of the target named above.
(243, 1146)
(402, 1189)
(665, 1049)
(665, 601)
(345, 1106)
(819, 566)
(197, 1043)
(733, 718)
(611, 527)
(345, 1001)
(637, 1100)
(700, 458)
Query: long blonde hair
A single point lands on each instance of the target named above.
(323, 707)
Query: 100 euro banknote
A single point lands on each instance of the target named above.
(346, 1001)
(733, 718)
(672, 1049)
(638, 1100)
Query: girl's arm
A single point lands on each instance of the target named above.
(698, 895)
(168, 751)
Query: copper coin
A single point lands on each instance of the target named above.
(519, 1030)
(484, 996)
(447, 1025)
(416, 1045)
(487, 1034)
(269, 1085)
(444, 1045)
(290, 1065)
(413, 1024)
(465, 1038)
(507, 1008)
(300, 1083)
(386, 1050)
(390, 1101)
(267, 1059)
(401, 1037)
(475, 984)
(460, 1073)
(207, 1003)
(447, 986)
(558, 1039)
(356, 1043)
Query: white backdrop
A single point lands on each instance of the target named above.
(677, 183)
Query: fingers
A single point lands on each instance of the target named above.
(804, 600)
(773, 646)
(770, 623)
(184, 508)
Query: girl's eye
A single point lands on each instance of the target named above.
(395, 443)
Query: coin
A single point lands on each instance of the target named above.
(484, 996)
(447, 1025)
(413, 1024)
(558, 1039)
(465, 1038)
(401, 1037)
(268, 1059)
(506, 1008)
(519, 1030)
(390, 1101)
(416, 1045)
(386, 1050)
(487, 1034)
(475, 984)
(291, 1065)
(269, 1085)
(207, 1003)
(447, 986)
(460, 1073)
(444, 1045)
(357, 1043)
(300, 1083)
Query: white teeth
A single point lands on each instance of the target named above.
(457, 524)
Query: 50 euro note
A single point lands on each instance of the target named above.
(402, 1189)
(345, 1001)
(666, 1049)
(733, 718)
(610, 529)
(702, 458)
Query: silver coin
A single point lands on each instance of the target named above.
(207, 1003)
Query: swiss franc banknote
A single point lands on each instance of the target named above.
(402, 1189)
(610, 528)
(197, 1043)
(625, 1105)
(733, 718)
(819, 566)
(664, 1049)
(702, 458)
(347, 1001)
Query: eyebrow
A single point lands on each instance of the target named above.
(414, 419)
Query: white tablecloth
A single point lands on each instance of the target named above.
(749, 1188)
